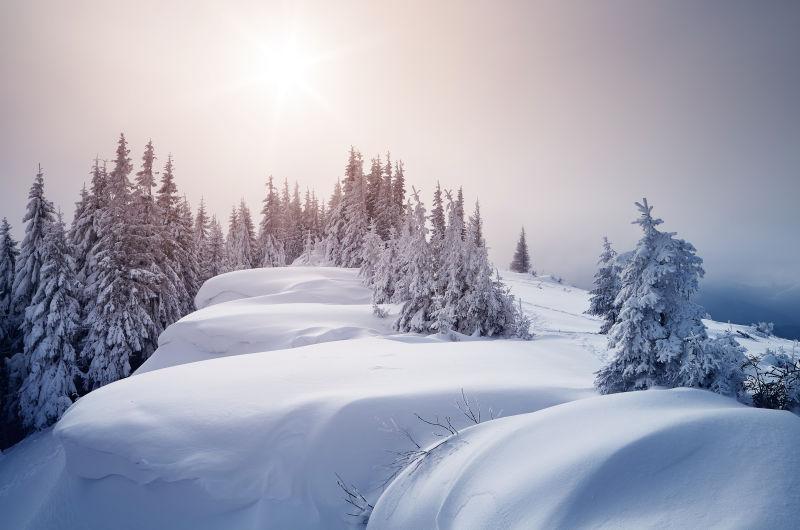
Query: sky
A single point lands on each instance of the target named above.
(556, 115)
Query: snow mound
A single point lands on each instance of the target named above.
(281, 285)
(655, 459)
(261, 437)
(262, 310)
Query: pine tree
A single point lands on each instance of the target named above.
(371, 255)
(216, 249)
(187, 243)
(146, 252)
(522, 260)
(399, 193)
(39, 215)
(373, 192)
(416, 313)
(355, 212)
(386, 269)
(438, 222)
(606, 288)
(385, 215)
(335, 226)
(50, 329)
(487, 308)
(659, 338)
(121, 328)
(232, 244)
(271, 251)
(202, 226)
(8, 260)
(84, 231)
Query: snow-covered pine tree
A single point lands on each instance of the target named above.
(659, 338)
(174, 297)
(39, 215)
(355, 211)
(373, 192)
(246, 238)
(84, 231)
(271, 249)
(522, 259)
(451, 285)
(385, 277)
(216, 249)
(8, 260)
(606, 288)
(399, 193)
(146, 233)
(187, 243)
(438, 223)
(385, 211)
(415, 315)
(120, 327)
(371, 255)
(232, 243)
(487, 307)
(295, 231)
(201, 233)
(50, 329)
(334, 226)
(476, 224)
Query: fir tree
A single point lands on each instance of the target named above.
(659, 338)
(522, 260)
(355, 212)
(335, 226)
(270, 248)
(399, 192)
(373, 192)
(385, 214)
(8, 260)
(370, 255)
(606, 288)
(202, 226)
(39, 215)
(120, 327)
(50, 329)
(416, 313)
(84, 231)
(216, 249)
(385, 276)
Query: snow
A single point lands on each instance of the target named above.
(654, 459)
(284, 378)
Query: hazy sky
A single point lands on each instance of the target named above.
(557, 115)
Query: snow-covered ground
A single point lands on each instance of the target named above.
(284, 378)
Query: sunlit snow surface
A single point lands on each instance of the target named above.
(205, 436)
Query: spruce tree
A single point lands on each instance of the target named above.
(373, 191)
(385, 214)
(399, 193)
(8, 260)
(189, 265)
(522, 260)
(451, 274)
(120, 326)
(84, 231)
(202, 226)
(659, 338)
(606, 288)
(270, 248)
(385, 277)
(370, 255)
(416, 313)
(216, 249)
(355, 212)
(50, 329)
(39, 215)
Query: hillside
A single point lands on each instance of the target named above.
(284, 378)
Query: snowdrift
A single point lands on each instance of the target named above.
(284, 378)
(655, 459)
(261, 310)
(266, 434)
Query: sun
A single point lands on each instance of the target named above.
(286, 66)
